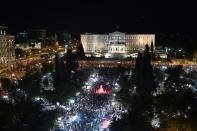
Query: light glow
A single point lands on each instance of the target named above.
(101, 90)
(105, 124)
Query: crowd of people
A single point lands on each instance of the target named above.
(90, 110)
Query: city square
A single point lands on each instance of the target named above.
(98, 66)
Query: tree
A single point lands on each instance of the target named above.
(21, 112)
(132, 121)
(80, 55)
(152, 47)
(57, 64)
(143, 73)
(71, 63)
(140, 105)
(138, 72)
(152, 51)
(60, 69)
(62, 78)
(31, 83)
(25, 116)
(19, 53)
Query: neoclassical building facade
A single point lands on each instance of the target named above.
(7, 50)
(116, 44)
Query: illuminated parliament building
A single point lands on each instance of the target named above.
(115, 44)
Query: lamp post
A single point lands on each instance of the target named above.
(71, 101)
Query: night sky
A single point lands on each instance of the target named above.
(103, 16)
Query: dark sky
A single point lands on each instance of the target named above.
(100, 16)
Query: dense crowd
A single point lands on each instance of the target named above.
(91, 111)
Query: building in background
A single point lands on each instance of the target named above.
(51, 39)
(38, 37)
(161, 52)
(7, 47)
(31, 39)
(22, 36)
(63, 38)
(116, 44)
(22, 41)
(3, 30)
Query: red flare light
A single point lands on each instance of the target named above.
(101, 90)
(104, 124)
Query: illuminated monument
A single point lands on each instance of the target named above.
(116, 44)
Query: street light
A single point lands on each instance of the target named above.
(57, 103)
(71, 101)
(77, 93)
